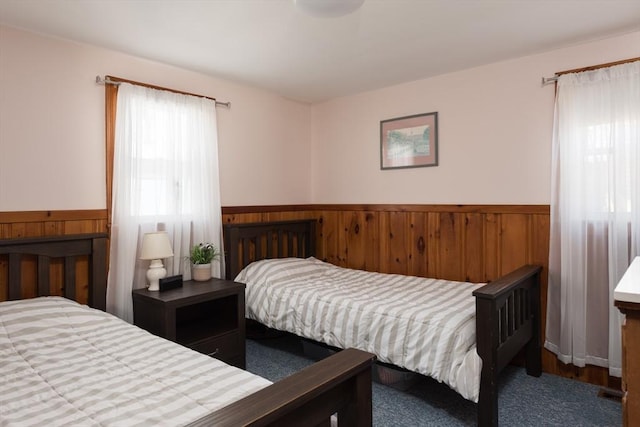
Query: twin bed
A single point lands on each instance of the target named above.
(462, 334)
(95, 369)
(64, 363)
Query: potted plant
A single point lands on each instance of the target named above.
(201, 256)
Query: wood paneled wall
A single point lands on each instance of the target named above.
(51, 223)
(475, 243)
(470, 243)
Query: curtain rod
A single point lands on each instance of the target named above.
(108, 81)
(551, 80)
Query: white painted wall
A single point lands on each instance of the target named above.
(52, 144)
(495, 129)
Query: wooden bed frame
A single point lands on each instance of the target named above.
(507, 309)
(338, 385)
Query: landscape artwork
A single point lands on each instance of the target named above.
(410, 141)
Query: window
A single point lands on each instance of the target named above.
(164, 176)
(595, 211)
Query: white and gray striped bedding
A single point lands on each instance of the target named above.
(423, 325)
(62, 363)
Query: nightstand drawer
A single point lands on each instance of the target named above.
(223, 347)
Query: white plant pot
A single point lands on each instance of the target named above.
(201, 272)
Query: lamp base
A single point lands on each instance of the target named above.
(155, 272)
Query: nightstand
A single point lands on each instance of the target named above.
(205, 316)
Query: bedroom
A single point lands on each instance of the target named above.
(52, 106)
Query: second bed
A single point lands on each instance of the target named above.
(459, 333)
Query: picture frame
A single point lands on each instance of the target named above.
(409, 141)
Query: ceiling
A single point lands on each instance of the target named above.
(273, 45)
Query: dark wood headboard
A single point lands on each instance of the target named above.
(43, 266)
(248, 242)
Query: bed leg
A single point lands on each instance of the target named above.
(359, 412)
(488, 399)
(487, 330)
(534, 347)
(534, 358)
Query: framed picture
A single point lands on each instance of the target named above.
(409, 142)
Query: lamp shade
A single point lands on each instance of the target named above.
(156, 246)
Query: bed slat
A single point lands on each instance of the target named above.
(70, 277)
(246, 246)
(44, 286)
(258, 246)
(15, 276)
(68, 248)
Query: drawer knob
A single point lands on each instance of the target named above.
(213, 353)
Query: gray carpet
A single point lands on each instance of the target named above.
(524, 401)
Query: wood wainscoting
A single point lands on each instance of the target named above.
(14, 225)
(475, 243)
(469, 243)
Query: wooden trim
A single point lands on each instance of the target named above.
(597, 67)
(232, 210)
(62, 215)
(21, 224)
(36, 216)
(517, 209)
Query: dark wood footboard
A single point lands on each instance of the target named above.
(339, 384)
(507, 320)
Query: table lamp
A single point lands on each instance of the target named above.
(156, 247)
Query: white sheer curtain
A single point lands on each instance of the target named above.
(165, 177)
(595, 211)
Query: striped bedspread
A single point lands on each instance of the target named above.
(423, 325)
(62, 363)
